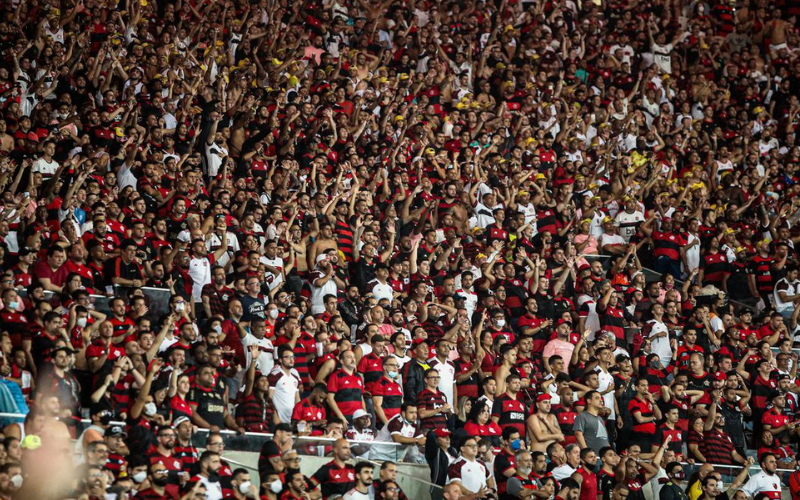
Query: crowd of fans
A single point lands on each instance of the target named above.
(546, 247)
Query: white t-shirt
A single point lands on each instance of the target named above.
(273, 280)
(763, 483)
(266, 359)
(200, 271)
(447, 376)
(214, 156)
(46, 168)
(285, 387)
(629, 223)
(661, 345)
(661, 57)
(471, 474)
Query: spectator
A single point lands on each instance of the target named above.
(336, 477)
(363, 473)
(469, 472)
(589, 427)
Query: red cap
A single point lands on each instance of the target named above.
(440, 433)
(543, 397)
(720, 376)
(417, 342)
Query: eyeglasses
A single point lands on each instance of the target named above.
(220, 443)
(470, 446)
(162, 472)
(433, 378)
(392, 489)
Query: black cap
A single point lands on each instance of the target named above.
(116, 431)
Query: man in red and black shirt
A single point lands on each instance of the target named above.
(432, 404)
(336, 477)
(508, 410)
(311, 410)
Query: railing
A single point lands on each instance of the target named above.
(253, 441)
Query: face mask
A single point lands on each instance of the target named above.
(276, 486)
(139, 477)
(655, 364)
(82, 322)
(218, 328)
(679, 475)
(16, 480)
(150, 409)
(244, 487)
(179, 307)
(516, 444)
(392, 375)
(501, 323)
(524, 472)
(13, 305)
(273, 313)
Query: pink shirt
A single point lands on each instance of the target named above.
(561, 348)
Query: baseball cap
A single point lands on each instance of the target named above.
(117, 431)
(360, 413)
(179, 421)
(417, 342)
(543, 397)
(720, 375)
(440, 433)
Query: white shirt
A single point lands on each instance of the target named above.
(763, 483)
(660, 345)
(605, 379)
(200, 271)
(661, 57)
(213, 490)
(284, 388)
(629, 223)
(447, 377)
(46, 168)
(381, 290)
(266, 358)
(213, 242)
(214, 156)
(471, 474)
(271, 279)
(471, 300)
(692, 254)
(563, 471)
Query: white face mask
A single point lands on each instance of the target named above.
(16, 480)
(273, 313)
(276, 486)
(180, 307)
(139, 477)
(13, 305)
(218, 328)
(82, 322)
(244, 488)
(501, 323)
(150, 409)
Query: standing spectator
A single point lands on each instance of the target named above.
(284, 385)
(434, 410)
(346, 388)
(336, 477)
(589, 426)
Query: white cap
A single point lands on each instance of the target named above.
(360, 413)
